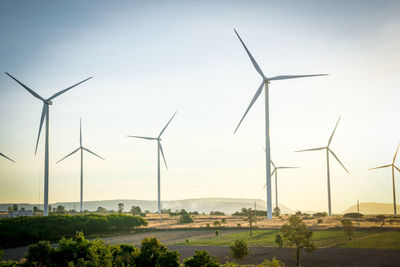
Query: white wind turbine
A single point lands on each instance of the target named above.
(328, 150)
(394, 188)
(264, 85)
(275, 171)
(45, 114)
(1, 154)
(159, 149)
(81, 148)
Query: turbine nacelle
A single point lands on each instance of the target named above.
(48, 102)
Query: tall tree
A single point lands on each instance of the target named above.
(297, 234)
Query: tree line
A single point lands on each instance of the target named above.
(22, 231)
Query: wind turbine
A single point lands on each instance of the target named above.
(393, 167)
(159, 149)
(1, 154)
(328, 150)
(81, 148)
(265, 85)
(275, 171)
(45, 114)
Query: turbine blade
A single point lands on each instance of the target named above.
(286, 77)
(41, 125)
(142, 137)
(396, 167)
(1, 154)
(69, 88)
(311, 149)
(287, 167)
(394, 159)
(338, 160)
(165, 127)
(265, 184)
(273, 171)
(273, 163)
(162, 154)
(92, 153)
(69, 154)
(258, 69)
(380, 167)
(259, 90)
(80, 132)
(26, 87)
(330, 138)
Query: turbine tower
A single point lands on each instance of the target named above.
(159, 149)
(45, 114)
(265, 85)
(1, 154)
(328, 150)
(394, 188)
(275, 171)
(81, 148)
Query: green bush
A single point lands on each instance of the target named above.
(153, 253)
(320, 214)
(279, 240)
(239, 249)
(78, 251)
(185, 218)
(319, 221)
(353, 215)
(22, 231)
(201, 258)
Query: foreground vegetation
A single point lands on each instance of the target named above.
(322, 238)
(22, 231)
(77, 251)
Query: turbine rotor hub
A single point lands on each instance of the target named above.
(49, 102)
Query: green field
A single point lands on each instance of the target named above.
(322, 238)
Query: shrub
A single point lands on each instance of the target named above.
(348, 228)
(320, 221)
(279, 241)
(353, 215)
(201, 258)
(220, 213)
(239, 225)
(185, 218)
(276, 212)
(153, 253)
(272, 263)
(216, 223)
(320, 214)
(239, 249)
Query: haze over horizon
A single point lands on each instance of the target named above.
(150, 59)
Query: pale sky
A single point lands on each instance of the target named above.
(151, 58)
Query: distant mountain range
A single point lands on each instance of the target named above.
(227, 205)
(373, 208)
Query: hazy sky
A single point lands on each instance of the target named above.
(151, 58)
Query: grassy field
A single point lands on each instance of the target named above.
(322, 238)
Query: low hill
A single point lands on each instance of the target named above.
(227, 205)
(373, 208)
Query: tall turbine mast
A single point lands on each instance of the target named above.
(45, 114)
(328, 150)
(393, 183)
(159, 150)
(264, 85)
(81, 148)
(275, 171)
